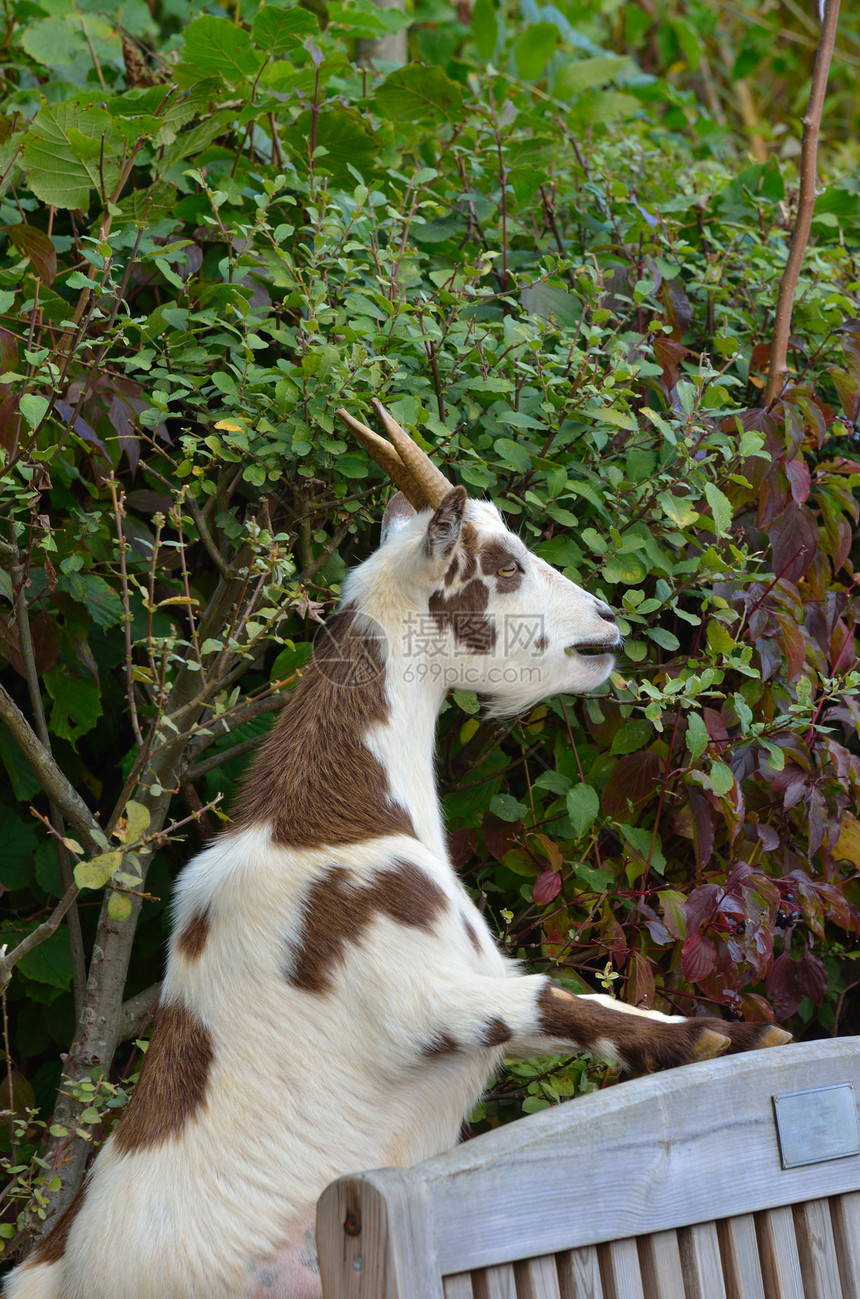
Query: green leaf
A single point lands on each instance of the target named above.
(119, 906)
(277, 31)
(633, 735)
(96, 872)
(77, 703)
(665, 639)
(697, 735)
(137, 821)
(506, 808)
(640, 841)
(627, 568)
(364, 18)
(513, 454)
(582, 74)
(218, 45)
(54, 41)
(485, 28)
(680, 509)
(534, 49)
(16, 861)
(58, 173)
(721, 508)
(33, 407)
(722, 778)
(50, 962)
(419, 94)
(582, 808)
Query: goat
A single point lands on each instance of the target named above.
(333, 1000)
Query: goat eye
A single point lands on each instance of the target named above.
(509, 570)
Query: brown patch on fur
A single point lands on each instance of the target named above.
(469, 551)
(192, 940)
(496, 555)
(315, 779)
(339, 908)
(453, 570)
(173, 1082)
(464, 613)
(442, 1044)
(541, 644)
(53, 1246)
(496, 1032)
(472, 933)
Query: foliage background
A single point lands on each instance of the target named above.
(551, 247)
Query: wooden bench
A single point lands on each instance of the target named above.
(711, 1182)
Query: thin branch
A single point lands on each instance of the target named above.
(52, 779)
(805, 204)
(136, 1011)
(310, 570)
(10, 959)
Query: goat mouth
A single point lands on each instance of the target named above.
(592, 648)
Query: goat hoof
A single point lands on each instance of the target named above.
(710, 1044)
(774, 1036)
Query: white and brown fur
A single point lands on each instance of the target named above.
(333, 1000)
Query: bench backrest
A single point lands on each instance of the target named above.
(715, 1181)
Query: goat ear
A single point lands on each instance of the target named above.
(398, 513)
(443, 530)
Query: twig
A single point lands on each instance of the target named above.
(805, 204)
(39, 934)
(52, 779)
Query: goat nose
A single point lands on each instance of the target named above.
(604, 611)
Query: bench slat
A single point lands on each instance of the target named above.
(619, 1268)
(579, 1273)
(459, 1286)
(537, 1278)
(495, 1283)
(660, 1261)
(741, 1264)
(845, 1213)
(701, 1261)
(780, 1262)
(817, 1250)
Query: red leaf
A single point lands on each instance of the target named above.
(35, 245)
(461, 846)
(794, 644)
(799, 478)
(794, 542)
(781, 986)
(811, 976)
(700, 906)
(547, 886)
(640, 981)
(697, 957)
(715, 727)
(499, 835)
(633, 779)
(703, 826)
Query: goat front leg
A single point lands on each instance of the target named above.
(530, 1015)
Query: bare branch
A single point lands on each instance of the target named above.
(310, 570)
(805, 203)
(10, 959)
(136, 1011)
(52, 779)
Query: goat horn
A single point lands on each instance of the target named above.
(410, 468)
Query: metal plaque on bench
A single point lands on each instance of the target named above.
(817, 1125)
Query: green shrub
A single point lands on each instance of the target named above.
(554, 272)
